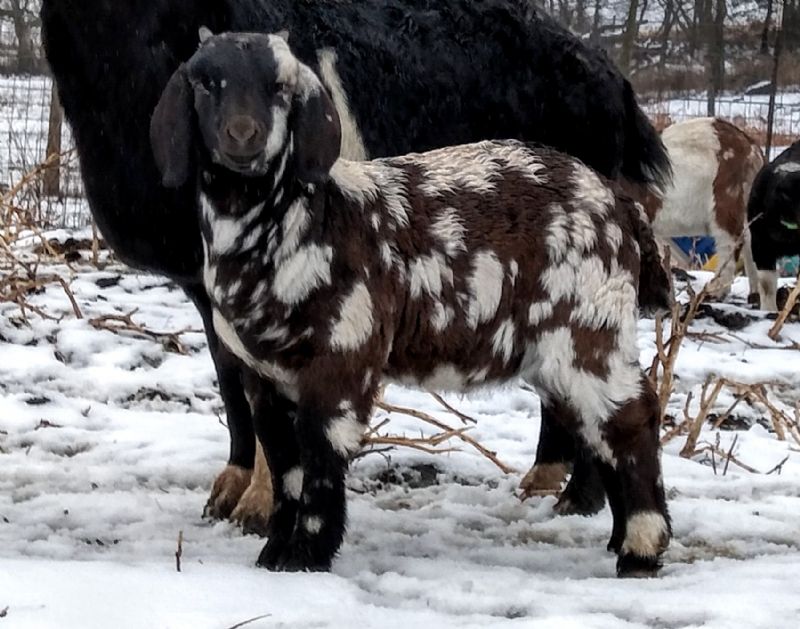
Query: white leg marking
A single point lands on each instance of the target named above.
(312, 524)
(293, 483)
(768, 290)
(645, 534)
(344, 433)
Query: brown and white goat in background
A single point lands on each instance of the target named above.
(327, 276)
(714, 164)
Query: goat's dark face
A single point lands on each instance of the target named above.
(243, 99)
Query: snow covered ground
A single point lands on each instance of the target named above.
(109, 443)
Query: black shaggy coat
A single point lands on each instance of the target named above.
(418, 74)
(773, 211)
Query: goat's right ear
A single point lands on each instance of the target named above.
(171, 130)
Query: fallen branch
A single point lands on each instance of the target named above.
(791, 300)
(120, 324)
(448, 431)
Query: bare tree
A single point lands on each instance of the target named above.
(629, 37)
(715, 50)
(765, 30)
(24, 14)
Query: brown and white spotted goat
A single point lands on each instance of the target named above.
(327, 276)
(714, 164)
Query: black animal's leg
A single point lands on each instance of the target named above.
(585, 492)
(235, 478)
(554, 453)
(327, 434)
(766, 261)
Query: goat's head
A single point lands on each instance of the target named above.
(241, 100)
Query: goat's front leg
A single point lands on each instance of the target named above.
(232, 482)
(328, 434)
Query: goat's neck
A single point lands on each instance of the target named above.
(250, 227)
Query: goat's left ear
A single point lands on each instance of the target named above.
(171, 130)
(316, 129)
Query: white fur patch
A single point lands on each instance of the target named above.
(613, 236)
(354, 323)
(768, 289)
(294, 226)
(591, 194)
(539, 311)
(312, 524)
(344, 433)
(449, 230)
(302, 272)
(428, 274)
(293, 483)
(645, 534)
(352, 145)
(485, 285)
(503, 340)
(284, 378)
(277, 133)
(557, 233)
(549, 364)
(788, 167)
(446, 378)
(288, 66)
(442, 316)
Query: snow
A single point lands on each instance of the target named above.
(109, 444)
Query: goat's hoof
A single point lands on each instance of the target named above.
(543, 479)
(583, 495)
(634, 567)
(254, 510)
(579, 503)
(226, 492)
(294, 555)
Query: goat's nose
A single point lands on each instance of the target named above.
(242, 129)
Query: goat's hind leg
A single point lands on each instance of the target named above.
(631, 433)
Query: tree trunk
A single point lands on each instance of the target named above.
(52, 176)
(715, 58)
(629, 38)
(595, 36)
(765, 30)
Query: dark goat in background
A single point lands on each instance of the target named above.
(774, 214)
(327, 276)
(404, 74)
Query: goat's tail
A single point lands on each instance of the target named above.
(655, 291)
(644, 158)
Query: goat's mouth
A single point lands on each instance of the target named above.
(254, 165)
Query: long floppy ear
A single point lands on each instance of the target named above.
(316, 128)
(171, 130)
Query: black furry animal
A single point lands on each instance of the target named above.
(327, 276)
(774, 214)
(404, 75)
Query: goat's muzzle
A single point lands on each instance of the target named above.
(242, 142)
